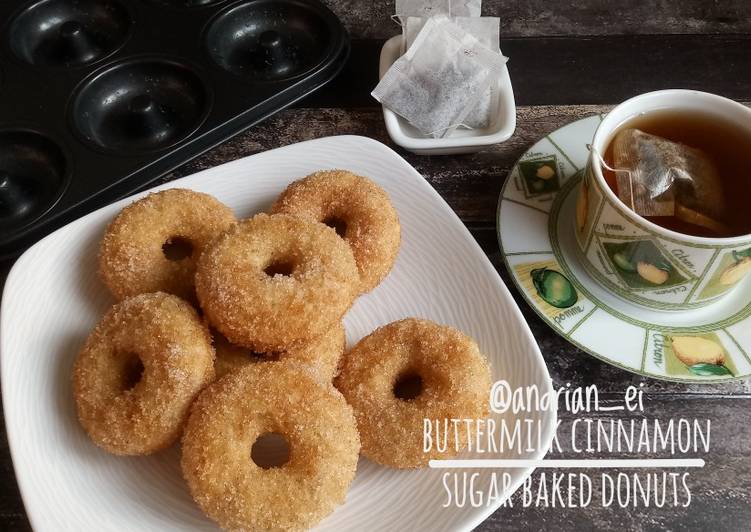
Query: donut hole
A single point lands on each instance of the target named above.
(408, 386)
(337, 224)
(271, 449)
(177, 248)
(255, 356)
(279, 267)
(132, 372)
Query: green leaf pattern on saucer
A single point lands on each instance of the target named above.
(709, 370)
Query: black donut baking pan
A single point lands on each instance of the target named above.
(99, 98)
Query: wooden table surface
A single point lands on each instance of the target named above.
(568, 59)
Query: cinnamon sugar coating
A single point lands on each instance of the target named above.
(132, 258)
(452, 377)
(273, 282)
(283, 398)
(139, 371)
(321, 354)
(360, 210)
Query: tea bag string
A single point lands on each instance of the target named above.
(628, 172)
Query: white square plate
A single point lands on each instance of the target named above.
(53, 298)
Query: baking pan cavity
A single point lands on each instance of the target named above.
(188, 3)
(268, 40)
(140, 105)
(101, 98)
(54, 33)
(32, 176)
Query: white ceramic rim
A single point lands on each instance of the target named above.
(665, 100)
(506, 122)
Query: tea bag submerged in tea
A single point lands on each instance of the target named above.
(440, 79)
(659, 177)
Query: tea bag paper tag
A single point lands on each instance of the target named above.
(420, 8)
(466, 8)
(487, 30)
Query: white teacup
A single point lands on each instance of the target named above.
(691, 271)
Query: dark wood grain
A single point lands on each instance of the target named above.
(582, 69)
(540, 18)
(469, 183)
(12, 514)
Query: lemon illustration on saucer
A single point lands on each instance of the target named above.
(540, 176)
(652, 273)
(644, 260)
(738, 269)
(545, 172)
(641, 264)
(702, 356)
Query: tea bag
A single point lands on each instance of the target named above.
(421, 8)
(659, 177)
(440, 79)
(428, 8)
(487, 31)
(465, 8)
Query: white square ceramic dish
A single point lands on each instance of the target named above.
(53, 298)
(460, 140)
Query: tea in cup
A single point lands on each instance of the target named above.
(661, 210)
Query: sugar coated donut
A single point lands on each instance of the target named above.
(321, 354)
(153, 244)
(408, 371)
(358, 209)
(139, 371)
(272, 282)
(234, 414)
